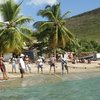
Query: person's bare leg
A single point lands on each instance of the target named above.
(66, 67)
(54, 70)
(12, 70)
(21, 75)
(41, 70)
(50, 70)
(38, 70)
(62, 69)
(15, 70)
(5, 77)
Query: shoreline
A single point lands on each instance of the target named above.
(73, 68)
(76, 72)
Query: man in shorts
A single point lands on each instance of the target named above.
(52, 61)
(64, 64)
(40, 64)
(21, 65)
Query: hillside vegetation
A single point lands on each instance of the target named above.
(86, 25)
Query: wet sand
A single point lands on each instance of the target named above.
(76, 85)
(76, 71)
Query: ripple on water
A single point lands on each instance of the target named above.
(80, 86)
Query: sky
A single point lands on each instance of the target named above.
(31, 7)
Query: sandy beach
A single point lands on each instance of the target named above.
(82, 78)
(73, 68)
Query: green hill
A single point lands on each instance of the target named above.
(86, 25)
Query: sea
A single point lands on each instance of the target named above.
(72, 86)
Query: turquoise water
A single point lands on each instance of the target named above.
(44, 87)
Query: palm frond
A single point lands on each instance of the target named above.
(2, 24)
(56, 10)
(38, 24)
(68, 32)
(24, 35)
(2, 32)
(65, 15)
(16, 9)
(22, 20)
(47, 13)
(26, 30)
(8, 9)
(47, 24)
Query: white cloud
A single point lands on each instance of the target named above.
(41, 2)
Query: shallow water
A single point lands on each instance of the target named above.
(80, 86)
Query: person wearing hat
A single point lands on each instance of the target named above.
(21, 65)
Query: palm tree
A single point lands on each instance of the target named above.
(12, 32)
(54, 29)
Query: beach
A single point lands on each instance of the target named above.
(73, 68)
(81, 83)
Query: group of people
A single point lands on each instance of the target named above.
(51, 62)
(24, 64)
(74, 59)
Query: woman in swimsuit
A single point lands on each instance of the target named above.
(3, 69)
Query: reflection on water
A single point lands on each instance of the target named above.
(80, 86)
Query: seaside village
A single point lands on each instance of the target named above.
(48, 48)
